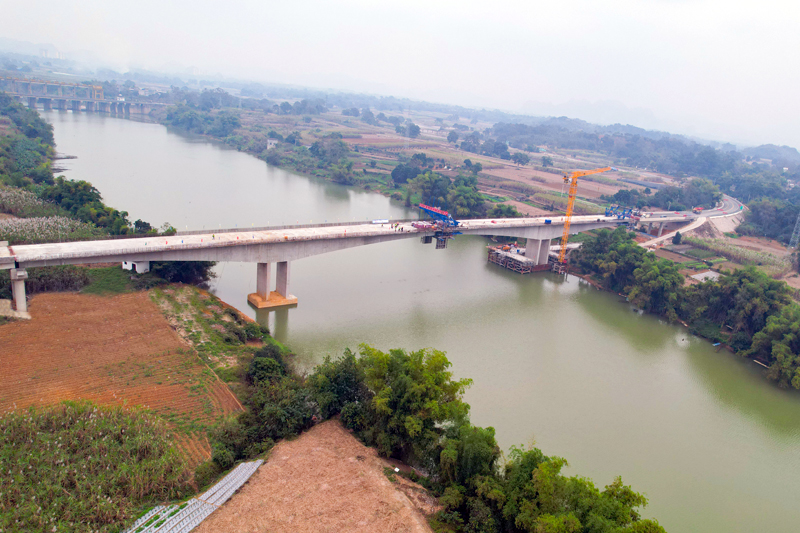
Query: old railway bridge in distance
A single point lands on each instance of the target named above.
(279, 245)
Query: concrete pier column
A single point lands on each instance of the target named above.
(46, 104)
(532, 250)
(262, 280)
(649, 227)
(263, 298)
(76, 106)
(283, 279)
(544, 252)
(660, 229)
(32, 102)
(89, 107)
(18, 277)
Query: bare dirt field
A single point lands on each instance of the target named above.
(324, 481)
(666, 254)
(112, 350)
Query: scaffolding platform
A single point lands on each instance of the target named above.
(512, 258)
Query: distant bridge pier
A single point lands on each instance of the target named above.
(660, 229)
(263, 298)
(32, 102)
(46, 103)
(76, 106)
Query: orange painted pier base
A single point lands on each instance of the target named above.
(275, 299)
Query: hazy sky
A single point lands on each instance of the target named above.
(721, 69)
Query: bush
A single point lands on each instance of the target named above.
(255, 331)
(354, 416)
(264, 369)
(336, 383)
(193, 272)
(206, 473)
(278, 408)
(235, 331)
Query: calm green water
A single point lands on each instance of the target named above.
(709, 441)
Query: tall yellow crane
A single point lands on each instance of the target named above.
(572, 179)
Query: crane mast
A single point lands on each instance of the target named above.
(572, 179)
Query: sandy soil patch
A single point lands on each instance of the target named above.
(761, 245)
(112, 350)
(6, 216)
(727, 224)
(324, 481)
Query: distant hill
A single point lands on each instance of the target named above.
(785, 154)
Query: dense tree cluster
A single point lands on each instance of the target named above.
(697, 192)
(459, 196)
(746, 309)
(221, 124)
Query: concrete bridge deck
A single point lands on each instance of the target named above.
(237, 245)
(281, 245)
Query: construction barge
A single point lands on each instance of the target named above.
(513, 258)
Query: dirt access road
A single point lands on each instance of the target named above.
(323, 481)
(111, 350)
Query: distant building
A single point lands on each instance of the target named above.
(271, 143)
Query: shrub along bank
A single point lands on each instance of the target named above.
(408, 406)
(746, 309)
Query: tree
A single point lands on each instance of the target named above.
(547, 161)
(452, 137)
(676, 239)
(193, 272)
(476, 168)
(403, 173)
(413, 394)
(503, 211)
(368, 117)
(520, 159)
(409, 130)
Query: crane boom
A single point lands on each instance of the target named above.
(572, 179)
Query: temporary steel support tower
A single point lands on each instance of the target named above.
(572, 179)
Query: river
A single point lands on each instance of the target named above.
(712, 444)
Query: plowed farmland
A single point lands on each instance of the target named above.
(112, 350)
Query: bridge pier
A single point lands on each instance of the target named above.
(18, 277)
(76, 106)
(263, 298)
(32, 102)
(538, 250)
(660, 229)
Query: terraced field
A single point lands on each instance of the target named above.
(112, 350)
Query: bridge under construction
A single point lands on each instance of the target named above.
(279, 245)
